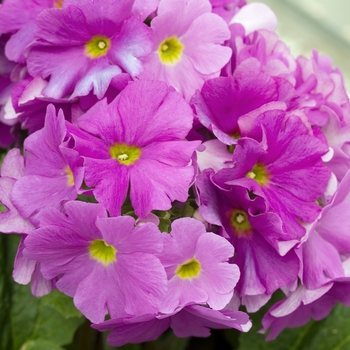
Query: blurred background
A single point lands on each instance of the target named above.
(316, 24)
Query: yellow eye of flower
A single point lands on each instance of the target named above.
(260, 174)
(170, 50)
(98, 46)
(70, 176)
(102, 252)
(58, 4)
(189, 269)
(240, 223)
(125, 154)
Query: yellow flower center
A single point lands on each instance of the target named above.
(58, 4)
(125, 154)
(70, 176)
(240, 223)
(260, 174)
(189, 269)
(98, 46)
(170, 51)
(102, 252)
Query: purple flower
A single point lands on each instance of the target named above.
(139, 140)
(105, 263)
(85, 44)
(183, 33)
(197, 266)
(285, 168)
(262, 250)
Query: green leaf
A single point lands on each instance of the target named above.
(40, 345)
(331, 333)
(62, 303)
(127, 347)
(8, 248)
(41, 319)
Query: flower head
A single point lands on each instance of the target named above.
(105, 263)
(139, 140)
(183, 33)
(85, 44)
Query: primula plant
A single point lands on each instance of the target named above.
(169, 170)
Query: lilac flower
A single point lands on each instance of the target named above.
(262, 250)
(52, 171)
(105, 263)
(193, 320)
(194, 275)
(139, 140)
(183, 33)
(100, 37)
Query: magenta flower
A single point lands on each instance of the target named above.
(224, 100)
(82, 46)
(183, 33)
(105, 263)
(138, 140)
(285, 168)
(195, 275)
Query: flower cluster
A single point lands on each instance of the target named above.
(179, 163)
